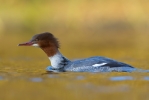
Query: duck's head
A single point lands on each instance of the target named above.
(46, 41)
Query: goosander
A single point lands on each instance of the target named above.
(50, 45)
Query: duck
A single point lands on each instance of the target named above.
(59, 63)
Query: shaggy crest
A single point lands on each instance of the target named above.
(46, 39)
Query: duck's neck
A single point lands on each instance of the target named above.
(58, 60)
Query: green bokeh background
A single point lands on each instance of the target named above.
(116, 29)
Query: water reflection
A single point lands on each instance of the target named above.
(99, 88)
(36, 79)
(1, 78)
(121, 78)
(146, 78)
(80, 77)
(53, 76)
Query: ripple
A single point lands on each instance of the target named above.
(36, 79)
(121, 78)
(53, 76)
(80, 77)
(1, 78)
(146, 78)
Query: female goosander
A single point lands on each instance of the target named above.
(50, 45)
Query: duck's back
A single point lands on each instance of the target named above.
(98, 64)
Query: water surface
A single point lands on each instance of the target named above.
(23, 75)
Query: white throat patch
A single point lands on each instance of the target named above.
(35, 45)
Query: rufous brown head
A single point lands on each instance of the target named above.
(46, 41)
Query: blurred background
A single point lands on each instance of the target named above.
(96, 27)
(116, 29)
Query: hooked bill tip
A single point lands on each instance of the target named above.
(26, 44)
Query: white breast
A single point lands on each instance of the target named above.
(56, 60)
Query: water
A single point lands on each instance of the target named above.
(26, 80)
(73, 85)
(23, 76)
(121, 78)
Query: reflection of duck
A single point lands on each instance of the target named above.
(49, 44)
